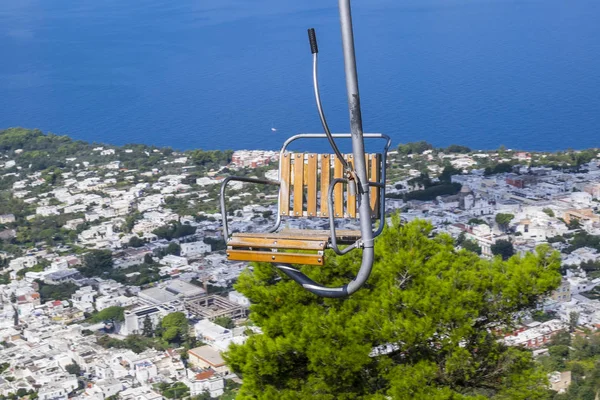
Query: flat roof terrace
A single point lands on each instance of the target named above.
(214, 306)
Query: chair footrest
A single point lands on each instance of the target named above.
(275, 257)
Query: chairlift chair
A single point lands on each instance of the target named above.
(313, 185)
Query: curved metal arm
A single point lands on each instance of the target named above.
(335, 292)
(224, 206)
(334, 245)
(336, 150)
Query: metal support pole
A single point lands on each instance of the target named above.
(360, 168)
(358, 145)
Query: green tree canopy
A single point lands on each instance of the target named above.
(423, 328)
(225, 322)
(414, 148)
(174, 230)
(147, 327)
(96, 262)
(455, 148)
(115, 313)
(498, 169)
(503, 248)
(74, 369)
(446, 175)
(503, 220)
(471, 245)
(175, 327)
(173, 248)
(136, 242)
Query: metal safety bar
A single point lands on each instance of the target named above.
(333, 245)
(224, 205)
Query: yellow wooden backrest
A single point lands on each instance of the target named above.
(305, 179)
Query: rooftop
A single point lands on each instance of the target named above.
(208, 354)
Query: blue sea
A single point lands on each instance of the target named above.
(219, 74)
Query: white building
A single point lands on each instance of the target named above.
(210, 332)
(238, 298)
(194, 249)
(205, 381)
(134, 319)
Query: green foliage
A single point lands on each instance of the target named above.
(135, 343)
(455, 148)
(205, 395)
(4, 367)
(15, 206)
(422, 180)
(414, 148)
(471, 245)
(115, 313)
(574, 224)
(147, 329)
(430, 307)
(5, 278)
(503, 220)
(556, 239)
(573, 320)
(173, 248)
(267, 214)
(130, 221)
(175, 327)
(174, 230)
(503, 248)
(213, 158)
(583, 239)
(44, 229)
(62, 291)
(446, 175)
(39, 267)
(216, 244)
(147, 273)
(96, 263)
(136, 242)
(501, 168)
(73, 369)
(548, 212)
(225, 322)
(541, 316)
(477, 221)
(177, 390)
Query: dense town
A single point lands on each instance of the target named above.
(114, 280)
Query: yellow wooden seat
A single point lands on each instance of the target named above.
(304, 185)
(273, 247)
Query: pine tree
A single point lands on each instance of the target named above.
(147, 329)
(425, 327)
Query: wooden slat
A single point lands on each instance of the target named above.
(311, 185)
(338, 192)
(302, 234)
(277, 243)
(350, 198)
(325, 179)
(284, 191)
(375, 176)
(272, 257)
(298, 183)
